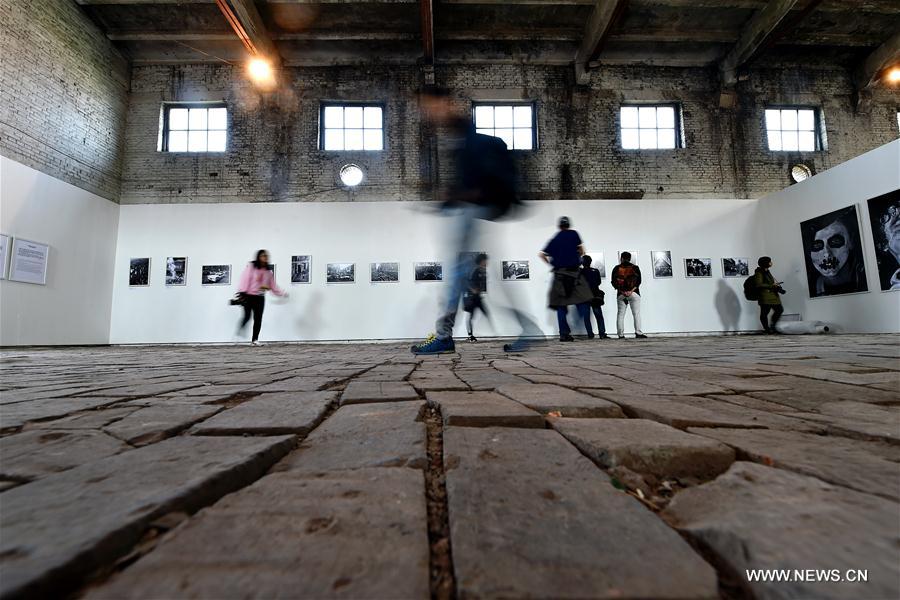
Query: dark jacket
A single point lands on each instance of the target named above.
(766, 287)
(485, 174)
(625, 277)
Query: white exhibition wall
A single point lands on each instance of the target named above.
(81, 229)
(404, 232)
(853, 182)
(87, 299)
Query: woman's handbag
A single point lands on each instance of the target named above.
(239, 299)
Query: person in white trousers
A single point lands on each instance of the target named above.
(626, 279)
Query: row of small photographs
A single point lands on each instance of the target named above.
(379, 272)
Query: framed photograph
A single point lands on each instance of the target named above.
(516, 270)
(884, 217)
(662, 264)
(833, 254)
(176, 270)
(634, 256)
(215, 275)
(598, 262)
(698, 267)
(386, 272)
(300, 268)
(429, 271)
(4, 254)
(28, 263)
(139, 272)
(340, 273)
(736, 267)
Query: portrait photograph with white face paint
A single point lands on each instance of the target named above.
(884, 215)
(834, 256)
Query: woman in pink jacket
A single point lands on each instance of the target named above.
(256, 280)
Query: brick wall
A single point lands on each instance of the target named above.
(273, 141)
(63, 94)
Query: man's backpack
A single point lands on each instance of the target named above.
(751, 292)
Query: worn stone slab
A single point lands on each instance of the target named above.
(377, 391)
(296, 384)
(56, 530)
(531, 517)
(833, 459)
(16, 415)
(154, 423)
(364, 435)
(91, 419)
(483, 409)
(436, 380)
(487, 379)
(646, 447)
(809, 394)
(270, 414)
(757, 517)
(33, 454)
(858, 419)
(546, 398)
(388, 373)
(349, 534)
(142, 388)
(668, 410)
(724, 405)
(222, 391)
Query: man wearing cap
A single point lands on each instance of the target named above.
(564, 253)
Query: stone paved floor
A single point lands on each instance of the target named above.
(662, 468)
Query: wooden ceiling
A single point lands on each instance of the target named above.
(863, 35)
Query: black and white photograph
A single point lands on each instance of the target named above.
(139, 272)
(215, 274)
(516, 270)
(598, 262)
(340, 273)
(176, 270)
(698, 267)
(736, 267)
(384, 272)
(884, 215)
(300, 268)
(833, 254)
(662, 263)
(429, 271)
(634, 256)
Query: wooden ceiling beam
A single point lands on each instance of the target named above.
(605, 14)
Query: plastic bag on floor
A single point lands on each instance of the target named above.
(803, 327)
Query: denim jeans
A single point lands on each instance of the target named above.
(584, 312)
(601, 323)
(464, 236)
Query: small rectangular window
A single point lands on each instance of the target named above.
(656, 127)
(793, 130)
(511, 122)
(200, 127)
(351, 127)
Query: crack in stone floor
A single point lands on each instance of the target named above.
(663, 468)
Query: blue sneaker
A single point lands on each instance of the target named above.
(434, 346)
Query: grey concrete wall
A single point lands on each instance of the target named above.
(63, 94)
(273, 141)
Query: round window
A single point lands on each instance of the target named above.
(800, 173)
(351, 175)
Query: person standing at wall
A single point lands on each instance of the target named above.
(569, 287)
(768, 295)
(472, 299)
(626, 279)
(594, 279)
(258, 278)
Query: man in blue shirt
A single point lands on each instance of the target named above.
(564, 253)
